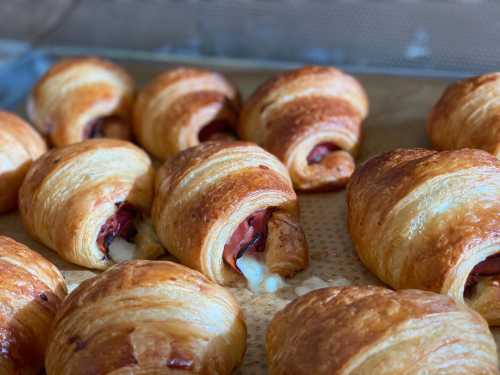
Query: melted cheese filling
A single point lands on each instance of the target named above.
(121, 250)
(259, 278)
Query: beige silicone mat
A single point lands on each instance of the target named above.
(397, 116)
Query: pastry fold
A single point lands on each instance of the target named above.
(370, 330)
(183, 107)
(468, 115)
(218, 200)
(310, 118)
(430, 220)
(82, 98)
(90, 202)
(19, 146)
(145, 317)
(31, 291)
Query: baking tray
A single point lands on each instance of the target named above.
(398, 109)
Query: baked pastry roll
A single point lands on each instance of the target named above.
(310, 118)
(183, 107)
(468, 115)
(229, 210)
(31, 290)
(19, 146)
(430, 220)
(145, 317)
(90, 203)
(370, 330)
(82, 98)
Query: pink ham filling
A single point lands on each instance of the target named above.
(215, 130)
(250, 236)
(488, 267)
(319, 152)
(121, 224)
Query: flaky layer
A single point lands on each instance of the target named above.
(82, 98)
(19, 146)
(468, 115)
(424, 219)
(206, 192)
(173, 109)
(31, 290)
(373, 330)
(147, 317)
(69, 194)
(295, 112)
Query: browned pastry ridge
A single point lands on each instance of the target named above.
(431, 220)
(218, 201)
(310, 118)
(468, 115)
(183, 107)
(31, 291)
(90, 203)
(375, 331)
(19, 146)
(82, 98)
(145, 317)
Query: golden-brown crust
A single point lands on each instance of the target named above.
(208, 190)
(468, 115)
(373, 330)
(294, 112)
(147, 317)
(70, 192)
(31, 290)
(19, 146)
(424, 219)
(172, 109)
(75, 93)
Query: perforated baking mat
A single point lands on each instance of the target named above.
(398, 108)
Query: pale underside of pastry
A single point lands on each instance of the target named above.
(372, 330)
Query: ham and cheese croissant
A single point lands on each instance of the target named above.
(228, 209)
(82, 98)
(468, 115)
(31, 290)
(19, 146)
(183, 107)
(372, 330)
(90, 202)
(310, 119)
(145, 317)
(431, 220)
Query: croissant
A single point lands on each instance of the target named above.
(19, 146)
(90, 203)
(468, 115)
(430, 220)
(228, 209)
(152, 318)
(31, 290)
(310, 119)
(183, 107)
(82, 98)
(372, 330)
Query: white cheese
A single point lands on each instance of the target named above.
(315, 282)
(259, 279)
(121, 250)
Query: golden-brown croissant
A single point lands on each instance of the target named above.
(82, 98)
(90, 202)
(31, 290)
(183, 107)
(227, 209)
(145, 317)
(372, 330)
(19, 146)
(431, 220)
(310, 119)
(468, 115)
